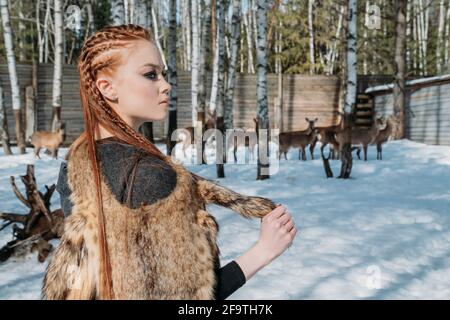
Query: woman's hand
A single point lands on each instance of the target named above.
(277, 233)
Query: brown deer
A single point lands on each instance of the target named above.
(297, 139)
(383, 135)
(360, 137)
(327, 135)
(50, 140)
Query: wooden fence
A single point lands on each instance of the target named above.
(303, 96)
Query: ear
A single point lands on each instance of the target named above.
(106, 87)
(307, 120)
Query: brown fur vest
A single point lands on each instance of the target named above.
(164, 250)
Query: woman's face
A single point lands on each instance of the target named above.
(138, 84)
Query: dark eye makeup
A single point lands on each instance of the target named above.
(153, 75)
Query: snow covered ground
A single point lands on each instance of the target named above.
(384, 234)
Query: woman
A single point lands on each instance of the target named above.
(137, 225)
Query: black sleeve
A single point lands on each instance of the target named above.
(229, 278)
(64, 191)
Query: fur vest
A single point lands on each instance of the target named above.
(164, 250)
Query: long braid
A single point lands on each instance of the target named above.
(97, 112)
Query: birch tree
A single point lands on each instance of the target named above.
(14, 81)
(447, 38)
(172, 74)
(350, 96)
(235, 33)
(311, 37)
(248, 32)
(220, 49)
(262, 112)
(399, 90)
(439, 45)
(58, 64)
(195, 60)
(186, 31)
(117, 12)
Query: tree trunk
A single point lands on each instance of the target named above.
(205, 69)
(312, 61)
(172, 74)
(262, 112)
(4, 135)
(235, 32)
(15, 90)
(220, 150)
(447, 39)
(186, 25)
(440, 37)
(248, 31)
(399, 90)
(21, 33)
(58, 64)
(351, 85)
(117, 12)
(195, 61)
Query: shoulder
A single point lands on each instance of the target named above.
(134, 176)
(153, 179)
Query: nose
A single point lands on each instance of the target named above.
(165, 87)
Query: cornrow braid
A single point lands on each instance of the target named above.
(97, 111)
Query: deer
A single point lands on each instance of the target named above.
(50, 140)
(327, 135)
(360, 137)
(297, 139)
(383, 135)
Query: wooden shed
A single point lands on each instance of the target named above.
(427, 108)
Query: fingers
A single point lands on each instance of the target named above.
(275, 213)
(289, 225)
(284, 218)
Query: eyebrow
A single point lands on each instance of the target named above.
(154, 66)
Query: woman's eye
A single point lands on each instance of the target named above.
(164, 74)
(152, 75)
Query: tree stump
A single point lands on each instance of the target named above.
(32, 231)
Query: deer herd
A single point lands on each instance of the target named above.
(333, 136)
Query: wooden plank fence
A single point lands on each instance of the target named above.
(303, 96)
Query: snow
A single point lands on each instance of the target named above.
(386, 87)
(383, 234)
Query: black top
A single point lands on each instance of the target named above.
(132, 178)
